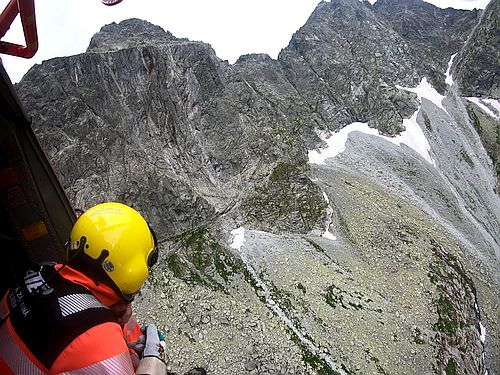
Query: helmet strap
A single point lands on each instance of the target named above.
(71, 251)
(91, 267)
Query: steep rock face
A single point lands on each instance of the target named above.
(489, 132)
(113, 113)
(443, 30)
(378, 260)
(345, 61)
(433, 34)
(138, 123)
(478, 64)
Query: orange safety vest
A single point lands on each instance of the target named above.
(57, 321)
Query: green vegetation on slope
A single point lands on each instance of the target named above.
(288, 201)
(202, 260)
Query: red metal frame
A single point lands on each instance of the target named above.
(26, 10)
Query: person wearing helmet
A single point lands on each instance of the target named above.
(72, 318)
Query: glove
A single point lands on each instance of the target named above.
(138, 346)
(152, 345)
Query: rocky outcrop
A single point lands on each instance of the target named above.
(287, 201)
(346, 62)
(478, 64)
(433, 34)
(162, 126)
(129, 34)
(489, 132)
(457, 325)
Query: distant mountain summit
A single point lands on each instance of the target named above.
(127, 34)
(347, 61)
(433, 34)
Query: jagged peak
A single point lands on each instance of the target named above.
(419, 5)
(128, 33)
(254, 57)
(343, 9)
(344, 3)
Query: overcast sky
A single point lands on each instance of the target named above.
(232, 27)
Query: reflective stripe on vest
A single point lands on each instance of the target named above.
(74, 303)
(117, 365)
(14, 356)
(4, 310)
(19, 363)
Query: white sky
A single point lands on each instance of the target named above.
(232, 27)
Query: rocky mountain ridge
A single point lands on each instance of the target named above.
(376, 260)
(479, 61)
(433, 33)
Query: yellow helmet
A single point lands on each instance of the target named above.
(114, 243)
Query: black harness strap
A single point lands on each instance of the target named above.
(48, 312)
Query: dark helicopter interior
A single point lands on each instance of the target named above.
(35, 214)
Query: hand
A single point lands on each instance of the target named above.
(138, 346)
(152, 345)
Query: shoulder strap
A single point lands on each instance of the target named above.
(48, 312)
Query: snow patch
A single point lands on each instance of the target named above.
(483, 332)
(327, 200)
(336, 142)
(413, 137)
(482, 103)
(238, 238)
(329, 235)
(259, 231)
(495, 103)
(425, 90)
(449, 77)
